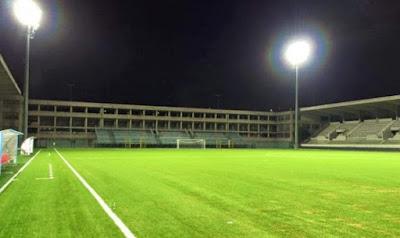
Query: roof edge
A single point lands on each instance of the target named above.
(151, 107)
(3, 63)
(351, 103)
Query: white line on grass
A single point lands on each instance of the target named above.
(19, 171)
(51, 172)
(51, 177)
(120, 224)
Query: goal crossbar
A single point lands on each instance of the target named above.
(189, 143)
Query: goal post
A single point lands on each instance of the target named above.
(190, 143)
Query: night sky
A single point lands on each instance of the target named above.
(217, 54)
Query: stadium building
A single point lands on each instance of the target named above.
(11, 100)
(371, 123)
(77, 168)
(368, 123)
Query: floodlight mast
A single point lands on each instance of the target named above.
(296, 54)
(28, 14)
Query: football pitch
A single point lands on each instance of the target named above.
(206, 193)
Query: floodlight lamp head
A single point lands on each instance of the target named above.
(28, 13)
(298, 52)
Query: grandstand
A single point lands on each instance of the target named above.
(368, 123)
(217, 193)
(78, 124)
(89, 124)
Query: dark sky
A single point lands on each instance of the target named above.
(184, 53)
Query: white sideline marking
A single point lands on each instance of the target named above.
(120, 224)
(370, 146)
(50, 171)
(19, 171)
(51, 177)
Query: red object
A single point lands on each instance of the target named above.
(4, 159)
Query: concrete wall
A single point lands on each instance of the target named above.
(11, 112)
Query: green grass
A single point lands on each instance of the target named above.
(208, 193)
(51, 208)
(8, 170)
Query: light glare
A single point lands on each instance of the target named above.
(28, 13)
(298, 52)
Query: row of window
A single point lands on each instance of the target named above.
(95, 122)
(112, 111)
(149, 125)
(271, 134)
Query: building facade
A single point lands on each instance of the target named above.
(74, 123)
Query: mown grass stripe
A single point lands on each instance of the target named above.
(118, 222)
(2, 189)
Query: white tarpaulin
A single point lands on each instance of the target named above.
(27, 146)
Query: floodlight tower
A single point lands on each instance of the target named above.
(29, 15)
(297, 53)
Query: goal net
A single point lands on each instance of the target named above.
(190, 143)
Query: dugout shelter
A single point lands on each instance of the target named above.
(9, 146)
